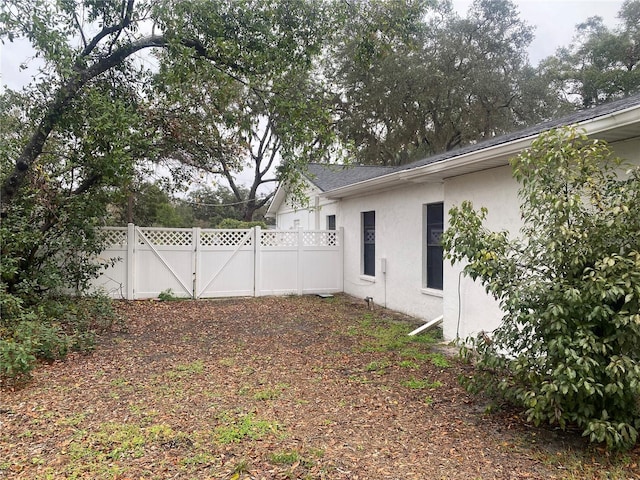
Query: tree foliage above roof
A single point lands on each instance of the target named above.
(601, 64)
(414, 78)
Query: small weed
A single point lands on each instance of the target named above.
(439, 360)
(359, 379)
(377, 366)
(316, 452)
(577, 465)
(428, 400)
(267, 394)
(161, 432)
(387, 335)
(417, 384)
(227, 361)
(198, 460)
(119, 382)
(284, 458)
(187, 369)
(73, 420)
(408, 364)
(270, 393)
(414, 354)
(243, 427)
(241, 467)
(112, 441)
(167, 296)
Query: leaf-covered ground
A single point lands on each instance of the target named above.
(274, 388)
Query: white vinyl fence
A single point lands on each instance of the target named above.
(203, 263)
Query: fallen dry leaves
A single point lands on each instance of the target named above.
(271, 388)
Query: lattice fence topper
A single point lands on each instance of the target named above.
(225, 238)
(320, 239)
(115, 236)
(171, 238)
(279, 239)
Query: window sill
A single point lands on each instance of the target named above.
(432, 292)
(368, 278)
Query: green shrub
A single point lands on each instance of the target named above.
(16, 360)
(48, 330)
(239, 224)
(47, 342)
(167, 296)
(568, 347)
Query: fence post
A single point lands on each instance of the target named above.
(300, 281)
(195, 264)
(131, 260)
(341, 259)
(257, 261)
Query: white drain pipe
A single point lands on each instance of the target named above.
(429, 325)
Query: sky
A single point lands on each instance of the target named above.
(554, 22)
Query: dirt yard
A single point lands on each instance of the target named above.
(274, 388)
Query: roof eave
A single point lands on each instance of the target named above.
(276, 201)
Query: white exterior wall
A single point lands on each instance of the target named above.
(467, 308)
(399, 234)
(312, 217)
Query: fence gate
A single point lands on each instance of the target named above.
(203, 263)
(163, 259)
(225, 263)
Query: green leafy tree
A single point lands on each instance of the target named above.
(209, 121)
(601, 64)
(568, 347)
(247, 40)
(150, 205)
(414, 79)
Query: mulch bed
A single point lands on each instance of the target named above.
(268, 388)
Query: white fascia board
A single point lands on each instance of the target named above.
(477, 160)
(623, 118)
(276, 201)
(281, 196)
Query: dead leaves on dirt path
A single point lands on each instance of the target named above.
(267, 388)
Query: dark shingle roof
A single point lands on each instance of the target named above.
(329, 177)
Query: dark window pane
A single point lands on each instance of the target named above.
(435, 227)
(369, 242)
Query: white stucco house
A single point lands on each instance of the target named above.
(393, 216)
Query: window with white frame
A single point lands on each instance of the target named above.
(433, 222)
(331, 222)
